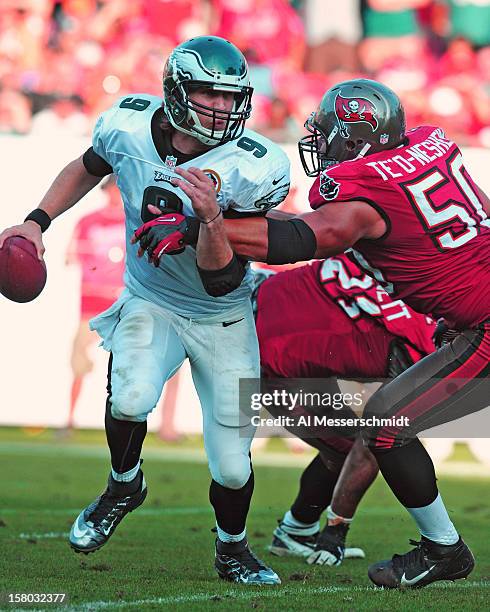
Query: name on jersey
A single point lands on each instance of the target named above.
(160, 176)
(414, 157)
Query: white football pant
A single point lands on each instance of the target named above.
(149, 343)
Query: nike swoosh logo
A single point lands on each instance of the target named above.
(77, 532)
(106, 531)
(168, 220)
(412, 581)
(164, 248)
(278, 180)
(228, 323)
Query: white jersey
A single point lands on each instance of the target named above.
(251, 174)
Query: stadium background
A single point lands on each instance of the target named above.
(61, 63)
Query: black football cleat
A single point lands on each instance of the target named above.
(96, 523)
(237, 563)
(426, 563)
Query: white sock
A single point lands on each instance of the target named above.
(434, 523)
(228, 537)
(291, 525)
(335, 519)
(127, 476)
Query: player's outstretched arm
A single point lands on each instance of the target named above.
(71, 184)
(338, 226)
(322, 233)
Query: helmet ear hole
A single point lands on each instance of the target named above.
(350, 145)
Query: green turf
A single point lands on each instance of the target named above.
(161, 556)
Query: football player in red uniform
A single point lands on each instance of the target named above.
(336, 322)
(418, 223)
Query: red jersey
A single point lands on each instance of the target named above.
(331, 319)
(435, 254)
(98, 245)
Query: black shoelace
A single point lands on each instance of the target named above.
(249, 560)
(416, 556)
(107, 508)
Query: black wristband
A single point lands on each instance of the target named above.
(41, 217)
(213, 219)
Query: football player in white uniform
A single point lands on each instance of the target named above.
(179, 308)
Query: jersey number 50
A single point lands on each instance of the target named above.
(453, 222)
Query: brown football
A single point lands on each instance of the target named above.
(22, 274)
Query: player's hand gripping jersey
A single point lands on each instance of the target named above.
(334, 320)
(435, 254)
(251, 175)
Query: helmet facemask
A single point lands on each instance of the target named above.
(313, 148)
(192, 112)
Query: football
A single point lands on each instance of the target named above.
(22, 274)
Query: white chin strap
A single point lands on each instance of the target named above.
(204, 134)
(364, 150)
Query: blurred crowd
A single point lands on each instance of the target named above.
(63, 62)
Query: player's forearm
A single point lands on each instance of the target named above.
(293, 239)
(71, 184)
(213, 248)
(271, 240)
(220, 270)
(280, 215)
(248, 237)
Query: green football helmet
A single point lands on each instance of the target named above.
(206, 61)
(355, 118)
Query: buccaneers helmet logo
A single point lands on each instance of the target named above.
(354, 110)
(328, 188)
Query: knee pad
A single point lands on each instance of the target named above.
(234, 471)
(134, 402)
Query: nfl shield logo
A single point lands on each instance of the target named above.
(170, 162)
(383, 139)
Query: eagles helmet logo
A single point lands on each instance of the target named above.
(329, 188)
(355, 110)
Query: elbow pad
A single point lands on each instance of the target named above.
(289, 241)
(95, 164)
(226, 280)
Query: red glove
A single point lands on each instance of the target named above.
(166, 235)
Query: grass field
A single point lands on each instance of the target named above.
(162, 555)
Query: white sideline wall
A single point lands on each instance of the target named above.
(36, 337)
